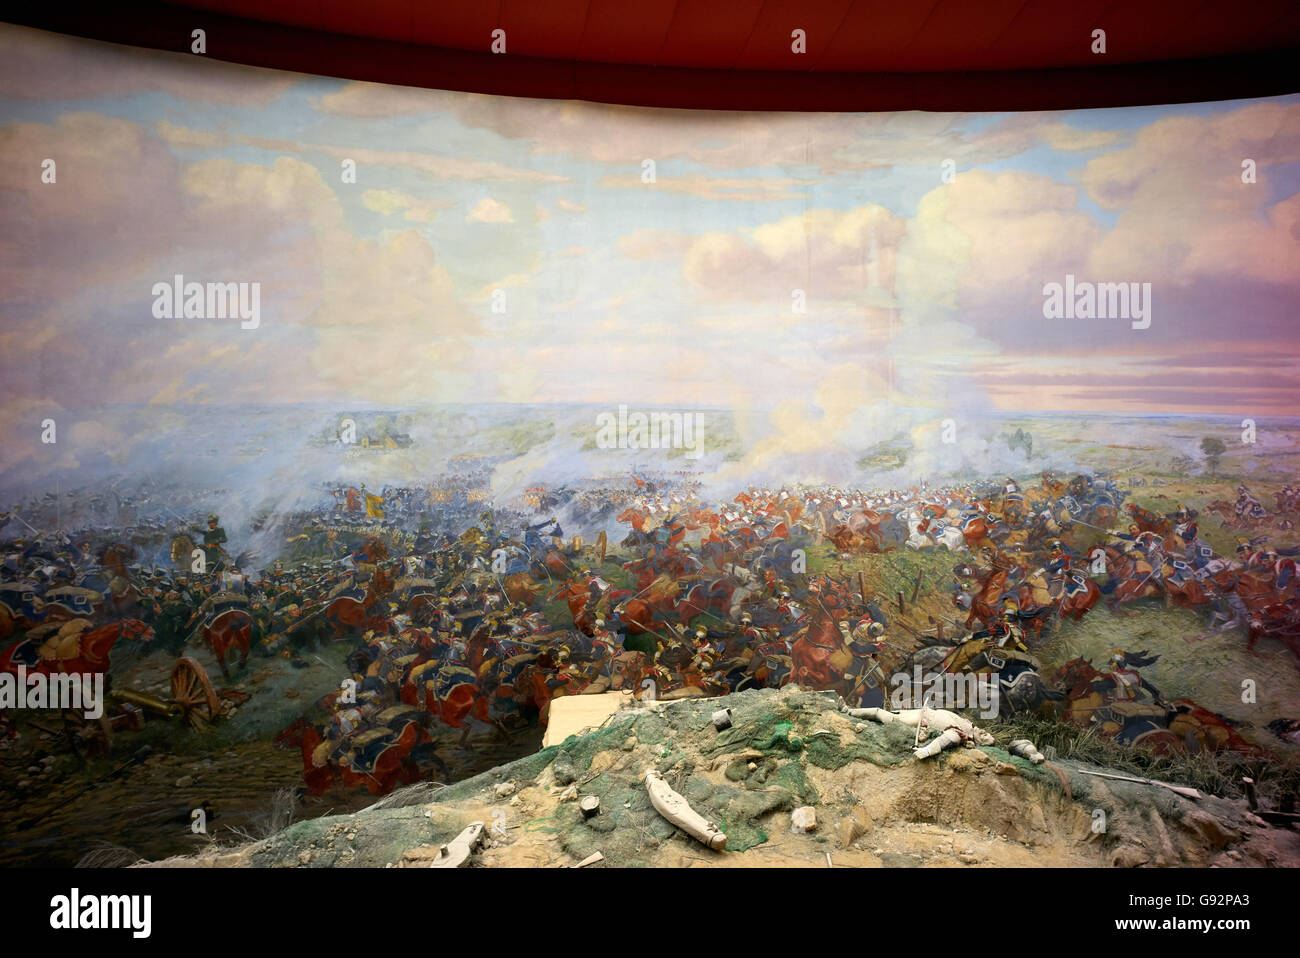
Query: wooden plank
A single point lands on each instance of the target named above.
(574, 714)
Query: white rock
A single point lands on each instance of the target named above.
(804, 819)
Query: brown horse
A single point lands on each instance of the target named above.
(1148, 521)
(1076, 606)
(979, 533)
(1090, 705)
(114, 558)
(346, 612)
(1130, 583)
(87, 652)
(706, 598)
(1203, 730)
(317, 772)
(576, 595)
(866, 525)
(378, 758)
(812, 651)
(986, 603)
(520, 587)
(658, 598)
(231, 629)
(1189, 594)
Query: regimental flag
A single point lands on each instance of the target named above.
(374, 506)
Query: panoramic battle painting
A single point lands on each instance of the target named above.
(349, 430)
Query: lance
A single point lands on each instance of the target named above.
(25, 522)
(1089, 525)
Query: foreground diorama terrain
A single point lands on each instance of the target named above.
(873, 803)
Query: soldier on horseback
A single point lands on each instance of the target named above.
(1062, 577)
(863, 674)
(533, 534)
(1247, 506)
(1006, 633)
(214, 540)
(1185, 524)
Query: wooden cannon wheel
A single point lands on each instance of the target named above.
(193, 694)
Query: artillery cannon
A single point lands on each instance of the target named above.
(193, 700)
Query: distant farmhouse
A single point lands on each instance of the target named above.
(354, 442)
(387, 440)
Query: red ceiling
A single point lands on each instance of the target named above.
(736, 54)
(842, 35)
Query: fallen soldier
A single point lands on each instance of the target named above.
(953, 727)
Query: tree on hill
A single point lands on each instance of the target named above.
(1213, 449)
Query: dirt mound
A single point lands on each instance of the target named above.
(874, 803)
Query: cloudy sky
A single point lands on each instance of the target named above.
(919, 291)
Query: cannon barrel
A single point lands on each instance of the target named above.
(150, 702)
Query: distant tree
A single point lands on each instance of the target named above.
(1213, 449)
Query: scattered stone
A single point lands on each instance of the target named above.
(1130, 855)
(852, 827)
(185, 781)
(422, 854)
(804, 819)
(505, 789)
(570, 794)
(1213, 831)
(960, 762)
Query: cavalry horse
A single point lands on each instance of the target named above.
(1090, 703)
(345, 611)
(979, 532)
(81, 652)
(637, 519)
(820, 656)
(1036, 594)
(1150, 722)
(1020, 688)
(379, 758)
(1076, 606)
(986, 602)
(576, 595)
(231, 629)
(1127, 582)
(1148, 521)
(712, 598)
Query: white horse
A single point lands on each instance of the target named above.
(750, 585)
(950, 537)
